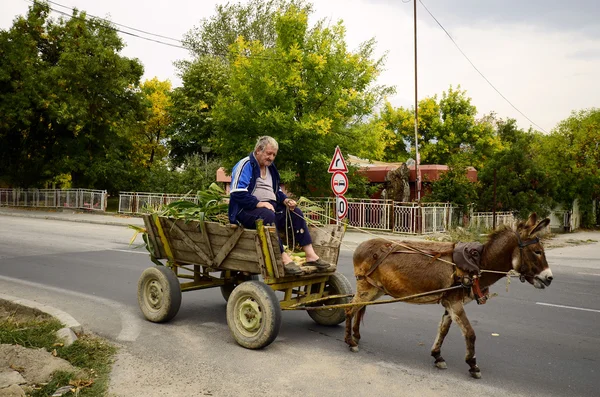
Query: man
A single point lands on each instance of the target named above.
(255, 194)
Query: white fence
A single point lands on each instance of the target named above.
(140, 203)
(485, 220)
(389, 215)
(88, 199)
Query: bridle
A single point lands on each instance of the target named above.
(523, 244)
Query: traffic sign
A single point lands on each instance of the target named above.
(341, 207)
(337, 162)
(339, 183)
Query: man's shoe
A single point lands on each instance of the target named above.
(292, 269)
(320, 264)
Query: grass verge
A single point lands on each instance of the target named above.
(91, 354)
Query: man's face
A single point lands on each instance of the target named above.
(266, 157)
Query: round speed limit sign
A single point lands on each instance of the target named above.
(341, 206)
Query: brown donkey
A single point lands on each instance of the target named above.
(402, 269)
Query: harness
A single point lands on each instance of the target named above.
(466, 257)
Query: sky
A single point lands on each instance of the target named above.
(543, 56)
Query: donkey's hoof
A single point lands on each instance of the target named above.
(354, 349)
(441, 365)
(476, 375)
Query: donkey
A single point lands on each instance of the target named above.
(404, 269)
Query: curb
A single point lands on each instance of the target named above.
(58, 218)
(66, 319)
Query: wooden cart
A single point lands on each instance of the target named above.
(206, 255)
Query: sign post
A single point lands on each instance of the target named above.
(339, 183)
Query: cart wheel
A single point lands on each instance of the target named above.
(253, 314)
(227, 289)
(159, 294)
(338, 284)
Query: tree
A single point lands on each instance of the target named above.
(571, 155)
(252, 20)
(149, 136)
(65, 96)
(446, 128)
(306, 91)
(191, 111)
(206, 76)
(454, 186)
(522, 184)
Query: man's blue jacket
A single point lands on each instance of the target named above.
(243, 182)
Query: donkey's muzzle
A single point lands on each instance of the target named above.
(543, 280)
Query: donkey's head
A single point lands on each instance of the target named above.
(529, 258)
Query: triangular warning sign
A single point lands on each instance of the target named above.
(337, 162)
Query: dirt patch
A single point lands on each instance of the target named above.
(22, 368)
(19, 313)
(34, 366)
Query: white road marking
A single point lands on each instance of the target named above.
(589, 274)
(130, 251)
(568, 307)
(130, 323)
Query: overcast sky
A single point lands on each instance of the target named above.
(542, 55)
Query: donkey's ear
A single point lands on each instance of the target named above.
(532, 220)
(540, 226)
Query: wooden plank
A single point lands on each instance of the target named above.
(154, 241)
(227, 264)
(269, 232)
(206, 239)
(246, 240)
(328, 254)
(261, 258)
(178, 245)
(163, 236)
(173, 227)
(227, 247)
(277, 262)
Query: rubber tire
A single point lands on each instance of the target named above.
(227, 289)
(162, 281)
(254, 297)
(338, 284)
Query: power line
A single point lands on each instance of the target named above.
(478, 71)
(115, 23)
(111, 27)
(109, 23)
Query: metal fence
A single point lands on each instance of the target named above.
(141, 202)
(389, 215)
(485, 220)
(88, 199)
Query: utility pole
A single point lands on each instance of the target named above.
(494, 204)
(418, 176)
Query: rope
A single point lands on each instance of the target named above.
(315, 224)
(298, 306)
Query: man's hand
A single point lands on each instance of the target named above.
(265, 204)
(291, 204)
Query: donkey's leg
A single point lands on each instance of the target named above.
(359, 318)
(436, 349)
(365, 292)
(460, 318)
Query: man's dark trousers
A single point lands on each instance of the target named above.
(248, 218)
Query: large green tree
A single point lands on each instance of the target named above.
(522, 184)
(447, 127)
(206, 76)
(65, 95)
(307, 91)
(571, 156)
(191, 112)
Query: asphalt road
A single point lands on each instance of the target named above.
(547, 343)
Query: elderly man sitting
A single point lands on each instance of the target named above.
(255, 194)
